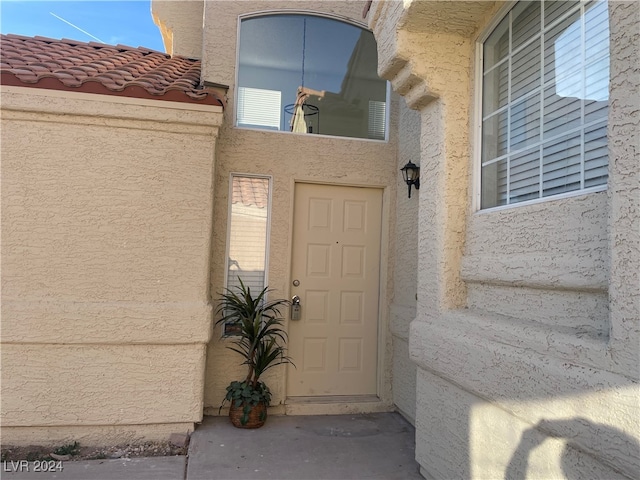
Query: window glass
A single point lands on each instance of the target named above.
(248, 233)
(311, 75)
(545, 101)
(496, 47)
(526, 23)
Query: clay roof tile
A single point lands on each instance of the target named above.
(99, 68)
(25, 75)
(250, 191)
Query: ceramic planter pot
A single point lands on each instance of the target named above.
(254, 419)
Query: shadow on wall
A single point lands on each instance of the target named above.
(545, 429)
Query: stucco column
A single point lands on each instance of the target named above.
(624, 188)
(431, 70)
(441, 219)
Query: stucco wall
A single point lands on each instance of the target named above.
(526, 336)
(289, 158)
(543, 263)
(106, 225)
(180, 24)
(624, 188)
(405, 246)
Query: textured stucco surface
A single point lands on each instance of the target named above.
(532, 309)
(405, 248)
(528, 246)
(544, 263)
(534, 380)
(624, 187)
(289, 158)
(180, 24)
(281, 155)
(404, 379)
(579, 312)
(49, 385)
(444, 151)
(521, 350)
(501, 445)
(106, 225)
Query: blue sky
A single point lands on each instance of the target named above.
(113, 22)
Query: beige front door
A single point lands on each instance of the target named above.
(336, 273)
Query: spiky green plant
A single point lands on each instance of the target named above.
(260, 339)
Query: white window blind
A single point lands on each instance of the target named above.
(259, 108)
(377, 119)
(545, 78)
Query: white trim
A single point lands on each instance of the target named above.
(497, 18)
(234, 101)
(296, 11)
(510, 102)
(476, 201)
(583, 60)
(542, 89)
(384, 360)
(338, 183)
(550, 198)
(144, 102)
(388, 111)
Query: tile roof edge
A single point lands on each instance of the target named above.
(187, 88)
(97, 88)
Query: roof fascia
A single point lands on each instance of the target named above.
(42, 92)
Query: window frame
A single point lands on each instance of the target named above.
(267, 246)
(312, 13)
(476, 201)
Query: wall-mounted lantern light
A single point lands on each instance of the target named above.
(411, 175)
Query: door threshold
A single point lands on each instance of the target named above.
(334, 399)
(336, 405)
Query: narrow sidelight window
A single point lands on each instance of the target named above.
(247, 244)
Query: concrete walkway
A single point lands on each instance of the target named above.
(372, 446)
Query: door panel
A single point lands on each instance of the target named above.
(336, 259)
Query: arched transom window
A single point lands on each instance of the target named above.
(309, 74)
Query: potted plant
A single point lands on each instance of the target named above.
(260, 340)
